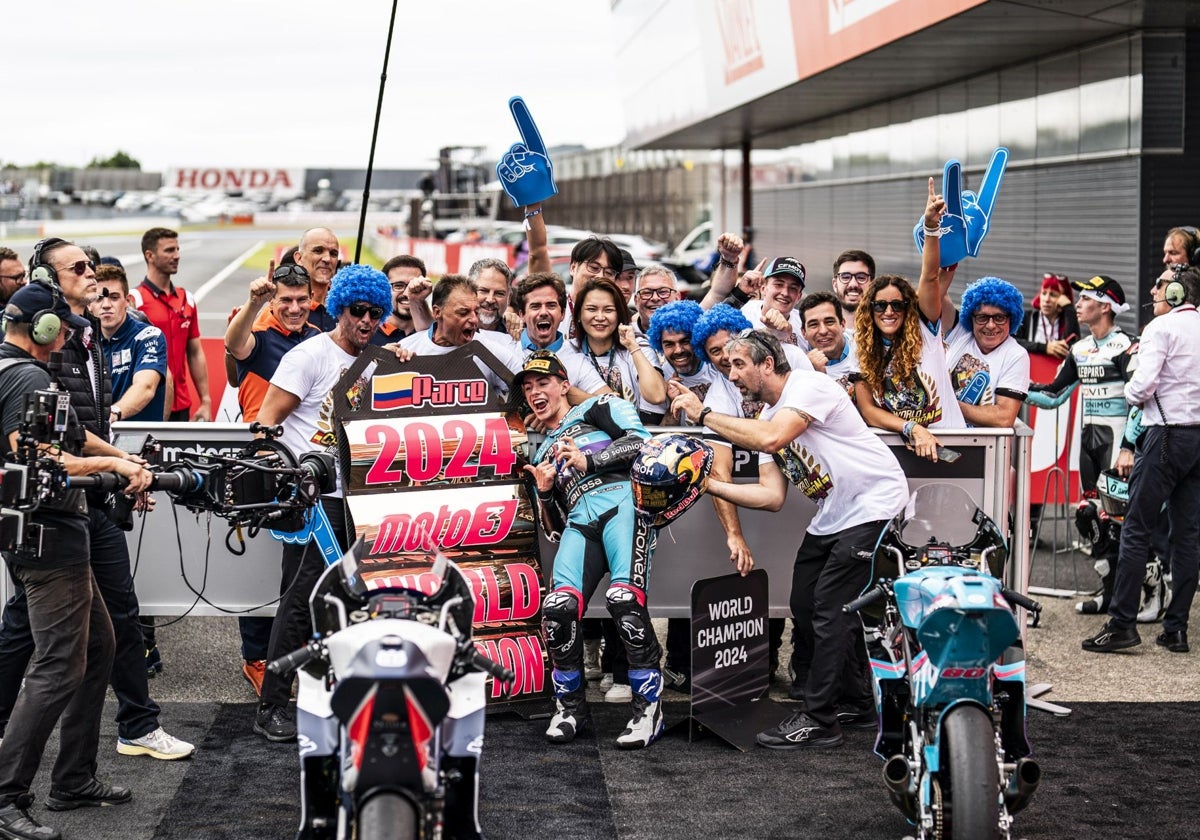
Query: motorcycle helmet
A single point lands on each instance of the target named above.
(1114, 493)
(668, 476)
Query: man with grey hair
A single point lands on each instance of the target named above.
(493, 281)
(319, 253)
(656, 286)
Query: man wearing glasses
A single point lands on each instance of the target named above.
(136, 352)
(12, 275)
(988, 367)
(401, 270)
(299, 399)
(272, 321)
(853, 271)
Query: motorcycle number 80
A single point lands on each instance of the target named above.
(730, 656)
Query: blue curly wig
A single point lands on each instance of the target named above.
(992, 291)
(356, 283)
(720, 317)
(679, 316)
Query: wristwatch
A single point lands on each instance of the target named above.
(116, 411)
(703, 414)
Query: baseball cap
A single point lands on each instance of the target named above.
(33, 298)
(111, 261)
(540, 363)
(1103, 289)
(789, 266)
(627, 263)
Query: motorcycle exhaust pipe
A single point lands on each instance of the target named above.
(902, 787)
(1022, 784)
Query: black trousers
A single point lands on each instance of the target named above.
(67, 681)
(831, 571)
(302, 565)
(1166, 469)
(137, 714)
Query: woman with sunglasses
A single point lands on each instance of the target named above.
(903, 383)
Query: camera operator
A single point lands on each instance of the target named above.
(299, 398)
(65, 610)
(62, 269)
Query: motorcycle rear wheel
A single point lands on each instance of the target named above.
(970, 756)
(387, 816)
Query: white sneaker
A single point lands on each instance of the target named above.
(606, 682)
(591, 660)
(643, 728)
(156, 744)
(618, 693)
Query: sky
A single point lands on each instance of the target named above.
(295, 83)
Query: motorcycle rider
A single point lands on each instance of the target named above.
(586, 504)
(1100, 364)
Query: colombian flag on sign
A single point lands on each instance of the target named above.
(393, 390)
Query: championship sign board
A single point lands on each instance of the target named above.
(430, 458)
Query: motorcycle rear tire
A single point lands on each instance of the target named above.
(970, 756)
(387, 816)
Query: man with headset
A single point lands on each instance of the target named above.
(62, 606)
(64, 268)
(1166, 468)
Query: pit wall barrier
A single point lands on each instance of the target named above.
(176, 553)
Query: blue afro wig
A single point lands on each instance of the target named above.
(356, 283)
(720, 317)
(992, 291)
(680, 316)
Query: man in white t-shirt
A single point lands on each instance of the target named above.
(832, 350)
(821, 444)
(455, 301)
(300, 398)
(988, 368)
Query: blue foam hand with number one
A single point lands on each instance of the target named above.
(525, 171)
(968, 215)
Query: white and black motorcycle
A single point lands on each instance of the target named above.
(391, 704)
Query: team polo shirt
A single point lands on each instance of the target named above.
(271, 341)
(175, 313)
(388, 333)
(136, 347)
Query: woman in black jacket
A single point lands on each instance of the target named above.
(1051, 325)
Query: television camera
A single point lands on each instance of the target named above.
(262, 485)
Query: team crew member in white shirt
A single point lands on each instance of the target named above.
(455, 301)
(832, 350)
(988, 367)
(299, 398)
(903, 382)
(1166, 467)
(821, 444)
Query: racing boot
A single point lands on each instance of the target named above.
(646, 724)
(1098, 603)
(571, 712)
(1156, 593)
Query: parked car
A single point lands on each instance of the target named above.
(696, 247)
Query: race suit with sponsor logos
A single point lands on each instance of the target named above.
(135, 347)
(1100, 369)
(590, 513)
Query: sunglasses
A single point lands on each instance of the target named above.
(881, 306)
(360, 309)
(285, 271)
(80, 267)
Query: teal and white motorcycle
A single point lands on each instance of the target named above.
(949, 670)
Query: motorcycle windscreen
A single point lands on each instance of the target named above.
(940, 513)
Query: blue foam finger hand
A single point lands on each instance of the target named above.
(526, 172)
(954, 227)
(978, 208)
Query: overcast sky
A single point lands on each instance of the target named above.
(295, 82)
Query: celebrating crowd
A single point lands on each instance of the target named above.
(799, 377)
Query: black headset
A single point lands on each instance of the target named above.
(39, 271)
(1193, 247)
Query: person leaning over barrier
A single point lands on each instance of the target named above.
(820, 443)
(66, 613)
(1166, 468)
